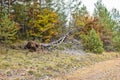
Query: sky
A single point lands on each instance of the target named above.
(110, 4)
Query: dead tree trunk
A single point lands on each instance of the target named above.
(33, 46)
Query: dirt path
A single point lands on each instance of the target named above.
(107, 70)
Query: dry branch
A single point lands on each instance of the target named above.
(33, 46)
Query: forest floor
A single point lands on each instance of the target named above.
(24, 65)
(106, 70)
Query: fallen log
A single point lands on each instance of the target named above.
(33, 46)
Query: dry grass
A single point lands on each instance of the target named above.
(106, 70)
(16, 64)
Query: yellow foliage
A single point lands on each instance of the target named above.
(43, 25)
(85, 23)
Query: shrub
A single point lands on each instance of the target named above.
(8, 29)
(92, 42)
(116, 43)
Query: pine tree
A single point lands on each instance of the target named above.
(8, 29)
(116, 38)
(60, 8)
(92, 42)
(106, 21)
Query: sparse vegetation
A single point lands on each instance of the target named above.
(39, 65)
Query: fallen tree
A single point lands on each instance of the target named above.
(33, 46)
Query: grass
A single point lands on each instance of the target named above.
(17, 63)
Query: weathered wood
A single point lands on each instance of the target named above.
(33, 46)
(53, 44)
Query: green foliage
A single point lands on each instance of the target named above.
(104, 16)
(116, 38)
(106, 21)
(43, 25)
(49, 3)
(47, 20)
(116, 43)
(60, 10)
(8, 29)
(92, 42)
(19, 13)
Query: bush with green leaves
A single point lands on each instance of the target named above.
(116, 43)
(8, 29)
(92, 42)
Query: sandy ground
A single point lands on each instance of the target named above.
(107, 70)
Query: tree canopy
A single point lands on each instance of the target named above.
(48, 20)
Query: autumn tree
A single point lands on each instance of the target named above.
(106, 21)
(101, 22)
(83, 22)
(42, 23)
